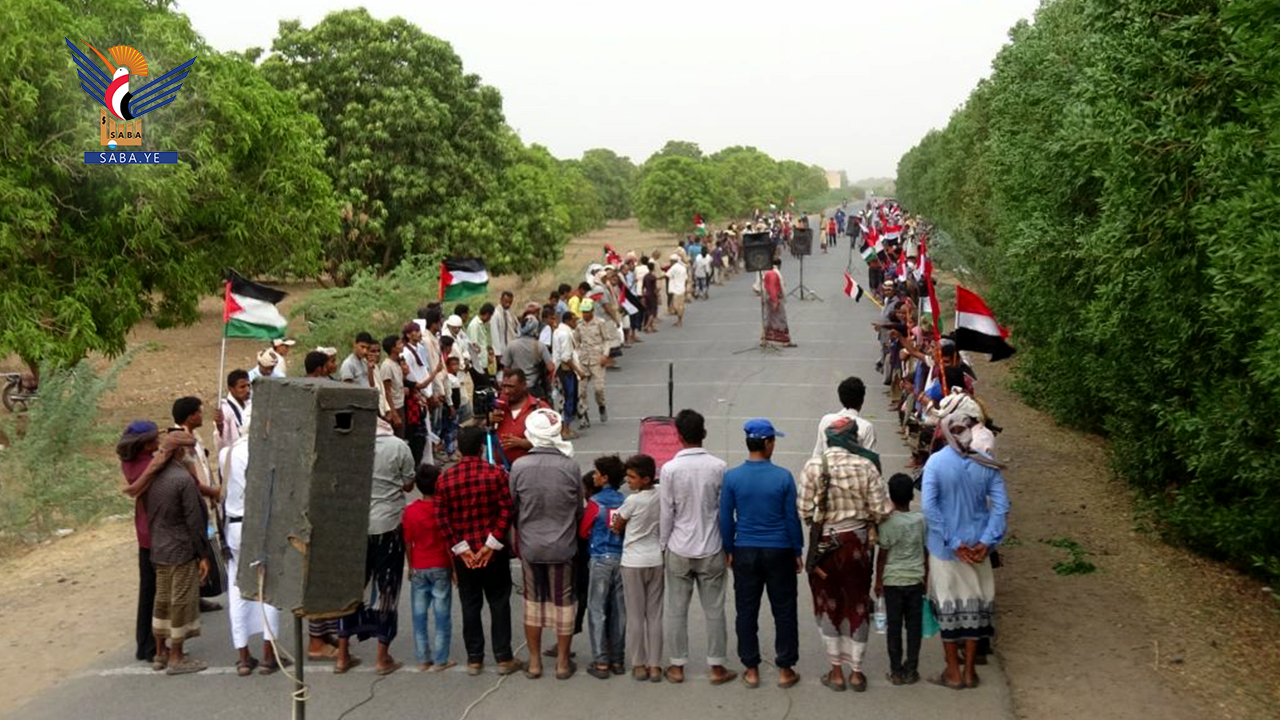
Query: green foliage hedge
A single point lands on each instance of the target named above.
(1116, 182)
(678, 182)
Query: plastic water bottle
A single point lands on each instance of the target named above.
(881, 617)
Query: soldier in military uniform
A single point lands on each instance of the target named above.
(593, 354)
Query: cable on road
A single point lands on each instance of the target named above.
(490, 691)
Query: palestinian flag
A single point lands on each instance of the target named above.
(851, 287)
(869, 253)
(699, 226)
(250, 310)
(459, 278)
(977, 329)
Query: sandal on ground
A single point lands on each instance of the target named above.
(474, 669)
(655, 675)
(618, 669)
(832, 684)
(388, 669)
(640, 674)
(441, 667)
(795, 679)
(597, 672)
(159, 663)
(674, 674)
(270, 667)
(342, 670)
(941, 679)
(976, 681)
(728, 677)
(245, 668)
(328, 654)
(532, 675)
(566, 674)
(860, 685)
(746, 680)
(186, 667)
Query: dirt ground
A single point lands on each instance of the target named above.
(65, 600)
(1155, 632)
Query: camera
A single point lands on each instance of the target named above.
(483, 401)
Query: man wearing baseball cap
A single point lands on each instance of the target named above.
(764, 546)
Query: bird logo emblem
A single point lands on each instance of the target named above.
(122, 105)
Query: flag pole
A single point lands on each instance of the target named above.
(222, 355)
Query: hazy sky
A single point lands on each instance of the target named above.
(846, 85)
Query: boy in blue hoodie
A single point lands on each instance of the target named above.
(606, 614)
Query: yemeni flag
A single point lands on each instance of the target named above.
(250, 310)
(851, 287)
(977, 329)
(699, 226)
(459, 278)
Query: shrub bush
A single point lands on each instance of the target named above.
(1117, 174)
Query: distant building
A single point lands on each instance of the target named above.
(835, 179)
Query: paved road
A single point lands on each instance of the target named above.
(793, 388)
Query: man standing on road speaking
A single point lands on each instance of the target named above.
(509, 421)
(764, 546)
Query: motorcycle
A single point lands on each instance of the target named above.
(20, 390)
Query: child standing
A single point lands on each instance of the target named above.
(449, 429)
(900, 578)
(430, 574)
(606, 614)
(642, 578)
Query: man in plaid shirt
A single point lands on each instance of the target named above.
(473, 510)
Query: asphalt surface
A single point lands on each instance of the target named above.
(793, 388)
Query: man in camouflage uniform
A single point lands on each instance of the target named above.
(593, 354)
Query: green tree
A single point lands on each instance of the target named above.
(746, 179)
(677, 148)
(417, 148)
(672, 190)
(1117, 171)
(801, 181)
(89, 250)
(614, 178)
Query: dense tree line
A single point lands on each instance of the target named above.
(678, 182)
(351, 147)
(1115, 182)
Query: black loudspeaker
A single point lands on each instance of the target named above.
(306, 504)
(757, 251)
(801, 241)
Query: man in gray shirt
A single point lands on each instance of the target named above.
(377, 614)
(546, 496)
(531, 356)
(689, 495)
(357, 369)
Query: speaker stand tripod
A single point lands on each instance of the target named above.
(765, 346)
(801, 291)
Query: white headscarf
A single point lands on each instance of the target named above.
(542, 428)
(955, 430)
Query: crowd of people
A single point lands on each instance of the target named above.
(476, 425)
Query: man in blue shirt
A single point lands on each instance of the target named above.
(764, 545)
